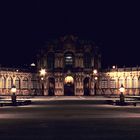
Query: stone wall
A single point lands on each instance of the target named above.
(26, 83)
(111, 80)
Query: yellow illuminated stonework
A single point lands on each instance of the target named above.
(26, 83)
(111, 81)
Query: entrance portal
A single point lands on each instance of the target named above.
(51, 86)
(69, 86)
(86, 86)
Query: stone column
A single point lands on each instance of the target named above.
(82, 62)
(79, 86)
(46, 87)
(76, 62)
(56, 63)
(92, 62)
(92, 92)
(61, 62)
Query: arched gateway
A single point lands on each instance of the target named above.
(87, 86)
(69, 86)
(51, 86)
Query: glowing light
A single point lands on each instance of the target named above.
(42, 78)
(69, 79)
(33, 64)
(42, 72)
(95, 71)
(96, 78)
(68, 57)
(13, 89)
(122, 89)
(113, 67)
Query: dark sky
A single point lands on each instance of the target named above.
(113, 25)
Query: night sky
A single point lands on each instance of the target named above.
(113, 25)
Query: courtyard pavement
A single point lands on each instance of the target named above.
(69, 118)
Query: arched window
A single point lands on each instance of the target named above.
(139, 82)
(3, 82)
(135, 82)
(87, 60)
(69, 59)
(10, 82)
(112, 83)
(34, 84)
(104, 83)
(120, 80)
(50, 60)
(25, 83)
(0, 82)
(17, 83)
(128, 82)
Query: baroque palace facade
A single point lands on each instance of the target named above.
(71, 67)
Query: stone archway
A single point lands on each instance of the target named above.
(69, 86)
(87, 86)
(51, 86)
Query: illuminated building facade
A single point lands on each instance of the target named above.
(70, 67)
(26, 82)
(69, 64)
(111, 80)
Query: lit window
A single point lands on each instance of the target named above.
(68, 59)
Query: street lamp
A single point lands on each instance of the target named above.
(13, 89)
(96, 78)
(122, 100)
(42, 75)
(95, 74)
(42, 72)
(113, 66)
(13, 96)
(95, 71)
